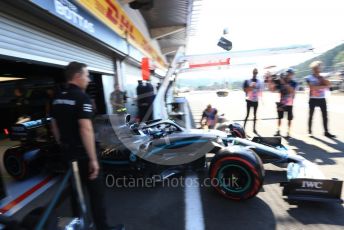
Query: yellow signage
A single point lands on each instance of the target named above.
(111, 13)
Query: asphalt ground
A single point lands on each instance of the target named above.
(179, 207)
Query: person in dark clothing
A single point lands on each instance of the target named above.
(145, 98)
(253, 89)
(72, 127)
(149, 93)
(20, 105)
(210, 117)
(318, 86)
(286, 86)
(141, 105)
(49, 103)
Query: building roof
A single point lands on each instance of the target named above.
(170, 22)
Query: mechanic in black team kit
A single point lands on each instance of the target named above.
(72, 112)
(286, 86)
(253, 90)
(317, 90)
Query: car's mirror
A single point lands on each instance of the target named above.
(127, 118)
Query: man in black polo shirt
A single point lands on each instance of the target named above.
(72, 127)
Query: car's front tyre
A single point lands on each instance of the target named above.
(237, 176)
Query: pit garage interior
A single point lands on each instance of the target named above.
(38, 83)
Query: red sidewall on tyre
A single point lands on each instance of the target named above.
(251, 170)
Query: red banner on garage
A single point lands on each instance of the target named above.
(145, 69)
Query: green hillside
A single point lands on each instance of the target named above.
(332, 60)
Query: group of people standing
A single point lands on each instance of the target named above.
(144, 100)
(286, 86)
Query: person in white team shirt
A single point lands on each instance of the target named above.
(318, 86)
(253, 90)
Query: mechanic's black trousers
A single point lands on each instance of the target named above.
(94, 189)
(317, 102)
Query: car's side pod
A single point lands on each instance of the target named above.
(237, 173)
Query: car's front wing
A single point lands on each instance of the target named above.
(304, 179)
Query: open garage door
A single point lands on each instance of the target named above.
(27, 90)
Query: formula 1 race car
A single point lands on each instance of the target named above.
(161, 149)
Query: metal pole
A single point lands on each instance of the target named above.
(80, 194)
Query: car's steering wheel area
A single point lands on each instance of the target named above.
(160, 130)
(170, 128)
(135, 128)
(154, 132)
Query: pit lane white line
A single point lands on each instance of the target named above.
(194, 219)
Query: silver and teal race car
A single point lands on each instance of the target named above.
(236, 163)
(161, 148)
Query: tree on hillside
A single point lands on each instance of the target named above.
(329, 59)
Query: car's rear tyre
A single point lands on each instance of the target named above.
(15, 165)
(237, 176)
(22, 163)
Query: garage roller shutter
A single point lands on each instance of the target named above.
(22, 40)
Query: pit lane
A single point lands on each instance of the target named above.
(165, 207)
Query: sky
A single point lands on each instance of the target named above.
(258, 24)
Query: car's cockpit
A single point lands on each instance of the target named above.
(155, 128)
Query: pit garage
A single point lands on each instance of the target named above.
(27, 90)
(34, 49)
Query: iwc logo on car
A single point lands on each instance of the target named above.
(312, 184)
